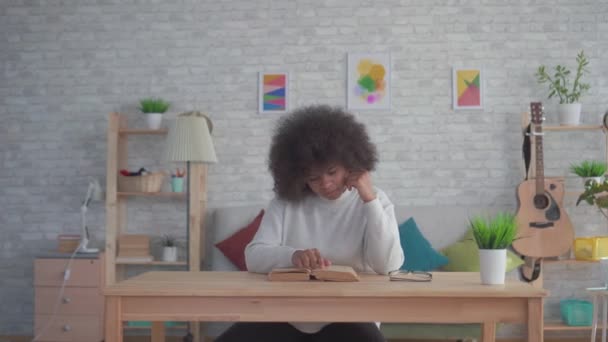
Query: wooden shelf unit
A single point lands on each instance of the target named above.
(116, 201)
(116, 209)
(558, 325)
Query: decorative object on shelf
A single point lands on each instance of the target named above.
(134, 248)
(140, 181)
(189, 140)
(493, 236)
(169, 244)
(369, 81)
(273, 94)
(177, 180)
(592, 248)
(467, 88)
(94, 193)
(154, 108)
(590, 171)
(569, 94)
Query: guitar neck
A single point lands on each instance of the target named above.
(540, 173)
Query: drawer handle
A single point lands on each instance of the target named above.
(66, 328)
(66, 300)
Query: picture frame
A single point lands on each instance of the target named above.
(467, 88)
(273, 92)
(368, 81)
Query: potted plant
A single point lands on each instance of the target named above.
(569, 93)
(169, 244)
(589, 170)
(596, 194)
(493, 236)
(154, 109)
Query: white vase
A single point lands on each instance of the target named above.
(569, 114)
(154, 120)
(598, 180)
(492, 266)
(170, 254)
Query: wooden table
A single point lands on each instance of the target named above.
(240, 296)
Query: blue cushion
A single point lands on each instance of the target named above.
(419, 254)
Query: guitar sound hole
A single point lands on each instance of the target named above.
(541, 201)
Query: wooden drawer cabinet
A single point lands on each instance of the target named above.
(80, 308)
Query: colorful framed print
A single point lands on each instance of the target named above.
(369, 81)
(467, 88)
(273, 92)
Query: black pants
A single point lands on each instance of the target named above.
(285, 332)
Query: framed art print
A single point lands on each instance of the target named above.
(273, 92)
(467, 88)
(368, 84)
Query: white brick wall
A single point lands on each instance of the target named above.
(67, 64)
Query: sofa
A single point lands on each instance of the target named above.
(441, 226)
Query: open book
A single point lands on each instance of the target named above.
(330, 273)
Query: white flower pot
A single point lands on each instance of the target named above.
(598, 180)
(492, 266)
(154, 120)
(170, 254)
(569, 114)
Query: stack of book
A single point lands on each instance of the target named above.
(134, 248)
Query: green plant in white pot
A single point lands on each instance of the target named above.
(589, 170)
(569, 92)
(169, 244)
(493, 236)
(154, 108)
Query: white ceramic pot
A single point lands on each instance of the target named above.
(170, 254)
(598, 180)
(154, 120)
(492, 266)
(569, 114)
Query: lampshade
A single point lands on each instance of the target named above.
(189, 139)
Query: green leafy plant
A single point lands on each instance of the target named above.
(589, 168)
(559, 83)
(596, 194)
(494, 233)
(168, 241)
(153, 105)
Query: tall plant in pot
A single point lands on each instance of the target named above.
(153, 108)
(493, 236)
(569, 92)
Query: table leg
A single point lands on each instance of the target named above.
(113, 320)
(604, 316)
(158, 331)
(535, 320)
(595, 319)
(488, 332)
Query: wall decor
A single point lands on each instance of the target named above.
(368, 85)
(467, 88)
(273, 92)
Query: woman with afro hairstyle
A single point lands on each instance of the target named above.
(326, 211)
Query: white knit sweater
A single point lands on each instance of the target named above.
(346, 231)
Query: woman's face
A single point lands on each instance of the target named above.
(328, 181)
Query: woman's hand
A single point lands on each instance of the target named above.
(362, 181)
(309, 258)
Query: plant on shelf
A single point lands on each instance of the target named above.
(154, 109)
(493, 236)
(596, 194)
(589, 170)
(169, 244)
(569, 92)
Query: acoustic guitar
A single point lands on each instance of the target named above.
(544, 228)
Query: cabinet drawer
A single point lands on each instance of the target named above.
(75, 300)
(83, 272)
(69, 328)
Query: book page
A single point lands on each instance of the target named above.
(289, 274)
(336, 273)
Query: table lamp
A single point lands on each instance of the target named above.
(189, 140)
(94, 193)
